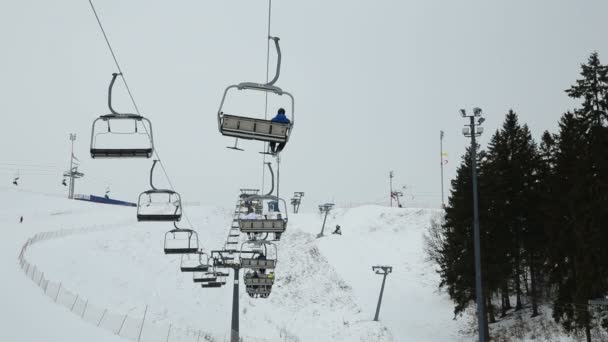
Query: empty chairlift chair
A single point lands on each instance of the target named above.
(181, 241)
(271, 222)
(118, 135)
(219, 279)
(251, 128)
(195, 263)
(160, 205)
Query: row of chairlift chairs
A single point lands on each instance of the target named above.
(258, 255)
(129, 135)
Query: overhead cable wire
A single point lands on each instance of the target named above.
(105, 36)
(266, 93)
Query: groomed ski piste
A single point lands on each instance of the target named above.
(325, 289)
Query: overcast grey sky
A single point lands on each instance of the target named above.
(374, 82)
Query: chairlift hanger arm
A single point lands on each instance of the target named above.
(271, 178)
(152, 174)
(110, 88)
(278, 70)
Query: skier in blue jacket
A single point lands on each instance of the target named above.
(280, 118)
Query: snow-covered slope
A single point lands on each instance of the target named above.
(325, 290)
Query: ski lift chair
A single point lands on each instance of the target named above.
(220, 280)
(159, 205)
(181, 241)
(251, 128)
(265, 225)
(194, 263)
(258, 255)
(262, 291)
(118, 135)
(204, 277)
(260, 280)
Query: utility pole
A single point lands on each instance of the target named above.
(324, 208)
(470, 131)
(441, 155)
(383, 270)
(390, 177)
(73, 173)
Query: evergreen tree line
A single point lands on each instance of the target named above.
(543, 215)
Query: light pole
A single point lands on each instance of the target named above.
(383, 270)
(472, 131)
(441, 155)
(324, 208)
(390, 177)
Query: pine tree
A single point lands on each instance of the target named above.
(578, 265)
(511, 170)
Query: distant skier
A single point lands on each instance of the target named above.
(279, 118)
(21, 219)
(337, 231)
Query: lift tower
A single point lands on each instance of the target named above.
(72, 173)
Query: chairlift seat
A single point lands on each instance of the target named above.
(199, 268)
(262, 225)
(121, 153)
(253, 281)
(190, 250)
(258, 263)
(254, 129)
(213, 284)
(263, 290)
(204, 279)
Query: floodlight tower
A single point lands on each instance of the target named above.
(324, 208)
(73, 173)
(472, 131)
(383, 270)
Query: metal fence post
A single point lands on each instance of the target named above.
(74, 304)
(85, 308)
(142, 324)
(121, 325)
(102, 316)
(169, 332)
(58, 290)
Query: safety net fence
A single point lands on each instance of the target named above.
(128, 326)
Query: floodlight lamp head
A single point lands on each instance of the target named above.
(463, 113)
(481, 120)
(477, 111)
(479, 131)
(466, 131)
